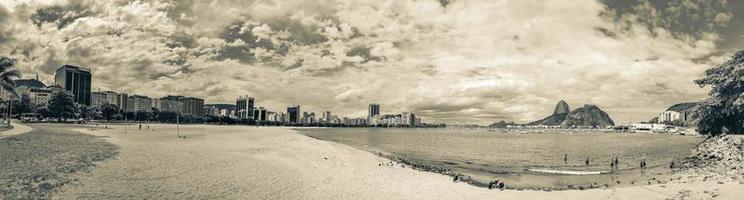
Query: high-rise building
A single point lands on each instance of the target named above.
(76, 80)
(122, 100)
(293, 113)
(410, 119)
(110, 97)
(244, 107)
(137, 103)
(170, 104)
(211, 111)
(374, 110)
(259, 114)
(98, 99)
(192, 105)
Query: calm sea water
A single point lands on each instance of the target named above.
(526, 160)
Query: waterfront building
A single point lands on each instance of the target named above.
(170, 104)
(38, 92)
(374, 110)
(259, 114)
(192, 106)
(98, 99)
(244, 107)
(211, 111)
(671, 116)
(276, 117)
(293, 114)
(76, 80)
(139, 103)
(227, 113)
(311, 118)
(410, 119)
(122, 100)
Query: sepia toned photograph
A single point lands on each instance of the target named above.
(372, 99)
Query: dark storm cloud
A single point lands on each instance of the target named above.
(241, 32)
(363, 52)
(606, 32)
(62, 15)
(5, 34)
(304, 34)
(680, 17)
(444, 3)
(181, 39)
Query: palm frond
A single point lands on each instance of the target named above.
(10, 71)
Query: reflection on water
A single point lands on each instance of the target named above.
(526, 160)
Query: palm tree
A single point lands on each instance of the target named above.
(8, 75)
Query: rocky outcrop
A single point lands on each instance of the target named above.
(587, 116)
(717, 158)
(559, 114)
(561, 108)
(552, 120)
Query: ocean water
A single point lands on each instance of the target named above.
(526, 160)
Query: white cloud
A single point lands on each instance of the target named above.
(472, 61)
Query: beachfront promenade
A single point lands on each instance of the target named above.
(237, 162)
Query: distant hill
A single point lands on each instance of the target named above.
(561, 108)
(559, 114)
(502, 124)
(683, 107)
(588, 116)
(552, 120)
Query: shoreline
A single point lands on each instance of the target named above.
(459, 177)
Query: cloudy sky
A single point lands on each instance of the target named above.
(452, 61)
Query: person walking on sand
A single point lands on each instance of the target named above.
(565, 158)
(140, 127)
(587, 161)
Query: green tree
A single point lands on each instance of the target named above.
(109, 110)
(23, 105)
(62, 105)
(723, 111)
(8, 75)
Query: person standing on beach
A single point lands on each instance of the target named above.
(565, 158)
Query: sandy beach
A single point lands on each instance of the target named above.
(215, 162)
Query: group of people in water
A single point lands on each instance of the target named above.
(614, 162)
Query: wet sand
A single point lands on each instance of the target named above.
(215, 162)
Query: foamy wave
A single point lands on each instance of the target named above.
(567, 172)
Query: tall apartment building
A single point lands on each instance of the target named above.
(77, 81)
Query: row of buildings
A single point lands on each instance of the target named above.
(77, 81)
(245, 108)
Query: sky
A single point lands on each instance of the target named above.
(449, 61)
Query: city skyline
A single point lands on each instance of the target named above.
(448, 61)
